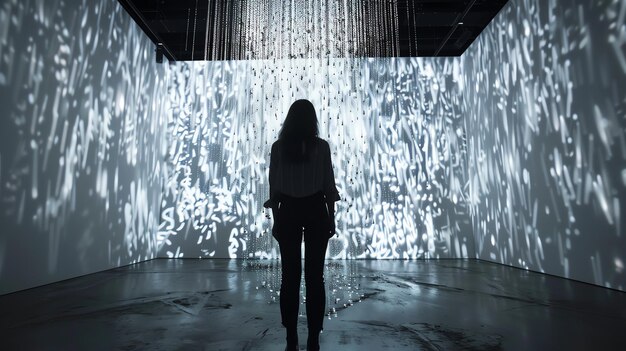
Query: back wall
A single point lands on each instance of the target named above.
(395, 128)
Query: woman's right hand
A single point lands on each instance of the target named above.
(276, 224)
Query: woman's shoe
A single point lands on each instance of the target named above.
(313, 342)
(292, 340)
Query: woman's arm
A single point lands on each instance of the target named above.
(330, 205)
(330, 189)
(273, 202)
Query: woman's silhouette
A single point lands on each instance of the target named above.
(302, 198)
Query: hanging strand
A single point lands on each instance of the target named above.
(266, 29)
(193, 41)
(187, 31)
(206, 32)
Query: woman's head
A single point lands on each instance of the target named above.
(301, 122)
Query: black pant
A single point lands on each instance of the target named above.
(295, 214)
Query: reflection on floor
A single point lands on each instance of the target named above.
(373, 305)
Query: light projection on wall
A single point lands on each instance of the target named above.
(518, 146)
(545, 108)
(82, 140)
(396, 133)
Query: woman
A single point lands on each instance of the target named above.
(302, 198)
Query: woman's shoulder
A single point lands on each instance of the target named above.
(322, 142)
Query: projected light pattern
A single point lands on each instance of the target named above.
(518, 146)
(545, 98)
(83, 140)
(397, 142)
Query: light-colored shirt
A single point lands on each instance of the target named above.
(303, 178)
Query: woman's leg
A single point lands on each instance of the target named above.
(315, 245)
(291, 264)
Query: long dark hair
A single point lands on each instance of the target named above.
(299, 131)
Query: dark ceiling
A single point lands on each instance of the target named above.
(425, 27)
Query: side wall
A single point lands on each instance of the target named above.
(81, 140)
(546, 116)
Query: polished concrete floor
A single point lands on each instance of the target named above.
(373, 305)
